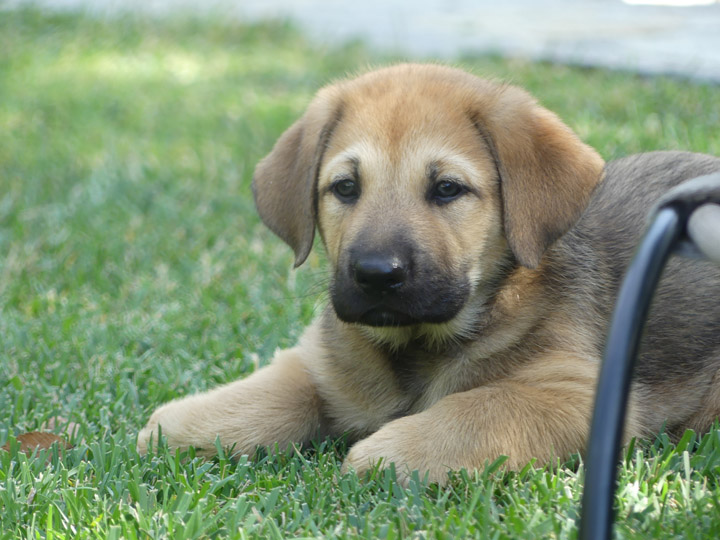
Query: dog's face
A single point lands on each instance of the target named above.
(408, 206)
(423, 182)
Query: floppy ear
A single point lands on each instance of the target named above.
(284, 181)
(547, 173)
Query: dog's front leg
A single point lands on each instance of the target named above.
(542, 412)
(278, 404)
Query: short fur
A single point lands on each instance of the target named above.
(487, 340)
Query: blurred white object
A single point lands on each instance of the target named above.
(659, 36)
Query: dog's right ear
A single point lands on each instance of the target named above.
(285, 180)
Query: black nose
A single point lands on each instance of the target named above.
(379, 275)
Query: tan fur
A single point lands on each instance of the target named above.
(513, 371)
(520, 417)
(268, 417)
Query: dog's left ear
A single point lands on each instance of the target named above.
(547, 173)
(284, 181)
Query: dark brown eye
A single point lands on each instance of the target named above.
(346, 189)
(446, 191)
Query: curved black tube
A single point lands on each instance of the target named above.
(614, 380)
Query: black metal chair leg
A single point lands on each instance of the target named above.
(675, 227)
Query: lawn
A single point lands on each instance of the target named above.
(134, 269)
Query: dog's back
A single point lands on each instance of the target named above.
(680, 352)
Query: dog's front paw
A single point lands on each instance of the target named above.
(147, 433)
(402, 444)
(170, 420)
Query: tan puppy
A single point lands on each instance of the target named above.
(469, 298)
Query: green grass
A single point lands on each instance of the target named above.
(133, 269)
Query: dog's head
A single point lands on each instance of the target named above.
(421, 181)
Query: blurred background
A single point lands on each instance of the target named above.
(648, 36)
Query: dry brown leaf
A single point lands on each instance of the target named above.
(37, 439)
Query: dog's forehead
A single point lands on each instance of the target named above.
(401, 125)
(402, 108)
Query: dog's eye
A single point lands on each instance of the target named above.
(446, 191)
(346, 190)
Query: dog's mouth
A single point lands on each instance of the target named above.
(382, 316)
(396, 311)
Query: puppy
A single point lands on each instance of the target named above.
(476, 248)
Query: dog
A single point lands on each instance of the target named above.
(476, 246)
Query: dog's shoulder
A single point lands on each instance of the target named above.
(641, 179)
(593, 257)
(617, 214)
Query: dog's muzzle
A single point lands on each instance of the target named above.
(390, 288)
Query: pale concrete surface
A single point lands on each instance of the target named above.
(649, 39)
